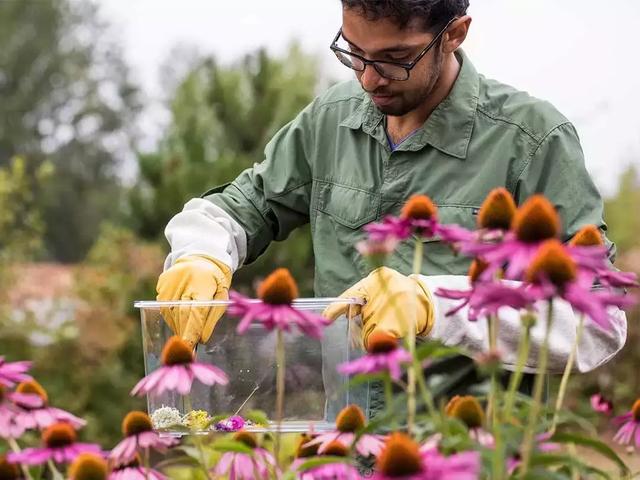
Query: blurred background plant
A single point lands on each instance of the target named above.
(79, 241)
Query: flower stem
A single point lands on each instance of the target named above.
(55, 473)
(493, 403)
(147, 466)
(538, 386)
(427, 397)
(516, 377)
(388, 392)
(412, 373)
(186, 401)
(492, 321)
(203, 459)
(280, 384)
(566, 374)
(16, 449)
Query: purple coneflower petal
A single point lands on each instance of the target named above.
(13, 372)
(208, 374)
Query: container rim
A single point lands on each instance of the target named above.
(302, 302)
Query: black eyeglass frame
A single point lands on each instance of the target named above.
(407, 66)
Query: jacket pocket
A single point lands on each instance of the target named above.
(349, 206)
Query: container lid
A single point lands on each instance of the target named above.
(305, 303)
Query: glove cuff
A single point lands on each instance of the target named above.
(223, 277)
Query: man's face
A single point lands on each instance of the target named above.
(383, 40)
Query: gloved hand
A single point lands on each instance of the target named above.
(392, 302)
(194, 277)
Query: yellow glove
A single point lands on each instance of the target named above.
(194, 277)
(392, 302)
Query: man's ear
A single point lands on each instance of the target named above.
(456, 34)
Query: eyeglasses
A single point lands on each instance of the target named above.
(388, 69)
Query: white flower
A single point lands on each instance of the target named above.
(166, 417)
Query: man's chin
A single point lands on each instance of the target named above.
(393, 110)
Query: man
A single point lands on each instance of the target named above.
(419, 119)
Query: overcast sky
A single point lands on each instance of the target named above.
(582, 55)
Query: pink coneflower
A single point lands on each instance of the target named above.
(89, 466)
(468, 410)
(384, 355)
(133, 471)
(402, 459)
(274, 310)
(139, 437)
(13, 372)
(534, 222)
(419, 216)
(11, 405)
(178, 371)
(59, 445)
(497, 211)
(629, 423)
(485, 298)
(554, 273)
(244, 466)
(329, 471)
(377, 250)
(494, 219)
(588, 247)
(42, 416)
(601, 404)
(350, 420)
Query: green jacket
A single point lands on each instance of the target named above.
(332, 167)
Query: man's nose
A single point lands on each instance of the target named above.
(371, 80)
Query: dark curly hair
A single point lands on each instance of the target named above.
(432, 14)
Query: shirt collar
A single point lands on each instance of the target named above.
(449, 126)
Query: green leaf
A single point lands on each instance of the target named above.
(551, 459)
(257, 416)
(228, 445)
(594, 444)
(324, 460)
(190, 451)
(434, 349)
(540, 474)
(187, 461)
(567, 417)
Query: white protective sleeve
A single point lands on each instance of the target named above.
(202, 228)
(596, 346)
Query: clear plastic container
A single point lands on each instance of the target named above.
(314, 391)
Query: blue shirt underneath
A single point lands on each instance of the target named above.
(392, 145)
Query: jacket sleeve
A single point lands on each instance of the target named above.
(235, 223)
(596, 346)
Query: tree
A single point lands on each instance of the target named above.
(66, 97)
(623, 224)
(20, 221)
(222, 118)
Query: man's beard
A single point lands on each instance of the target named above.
(409, 101)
